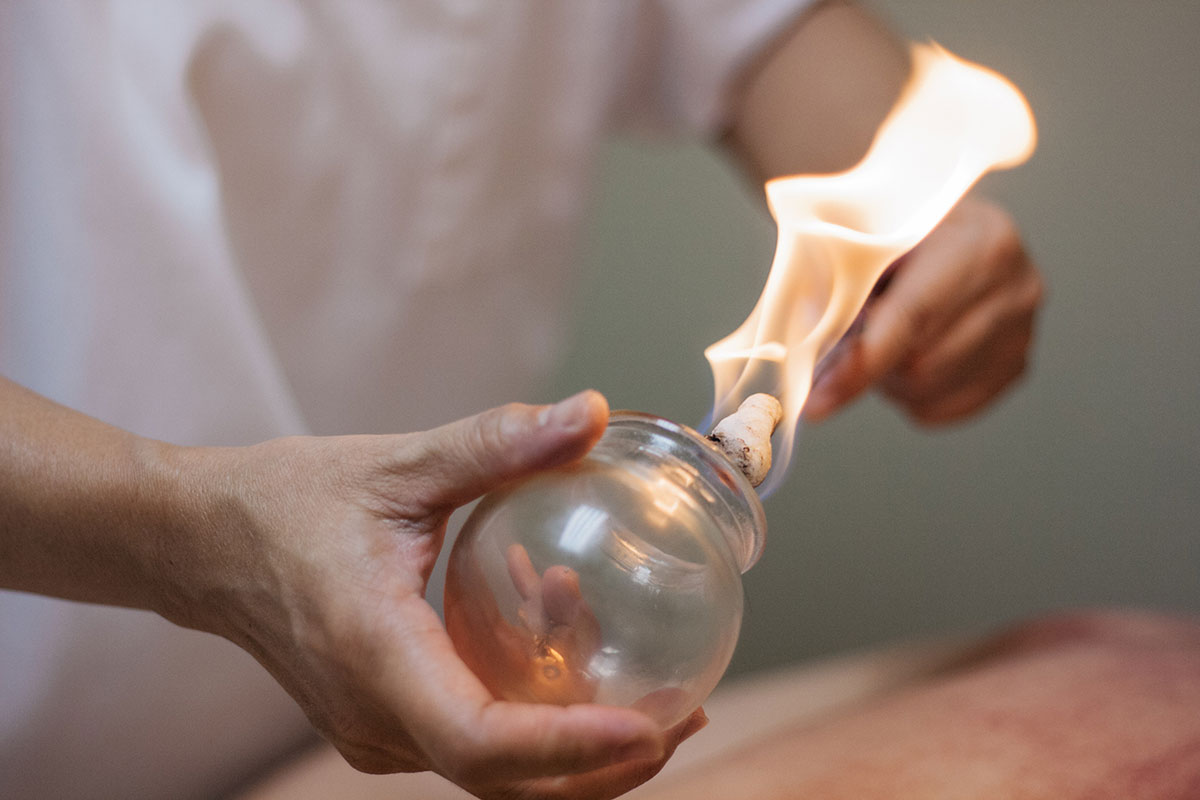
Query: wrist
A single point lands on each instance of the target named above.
(96, 514)
(219, 562)
(166, 505)
(189, 562)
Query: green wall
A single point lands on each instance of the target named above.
(1081, 487)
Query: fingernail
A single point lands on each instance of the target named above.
(566, 414)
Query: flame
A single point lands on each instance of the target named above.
(838, 233)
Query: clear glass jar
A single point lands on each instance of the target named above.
(616, 580)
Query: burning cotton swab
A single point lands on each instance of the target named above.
(745, 435)
(839, 233)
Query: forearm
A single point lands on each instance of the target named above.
(313, 554)
(85, 508)
(812, 102)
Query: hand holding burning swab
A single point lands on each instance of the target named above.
(839, 233)
(952, 331)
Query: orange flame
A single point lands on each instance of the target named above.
(838, 233)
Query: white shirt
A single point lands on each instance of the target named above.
(226, 221)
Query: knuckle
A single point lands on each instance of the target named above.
(1003, 245)
(490, 430)
(1022, 297)
(491, 437)
(914, 319)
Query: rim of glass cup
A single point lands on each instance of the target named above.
(745, 534)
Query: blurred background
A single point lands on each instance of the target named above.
(1083, 486)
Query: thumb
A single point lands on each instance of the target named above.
(465, 459)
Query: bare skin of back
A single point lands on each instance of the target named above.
(1096, 705)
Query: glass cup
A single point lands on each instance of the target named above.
(615, 580)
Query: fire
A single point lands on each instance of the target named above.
(838, 233)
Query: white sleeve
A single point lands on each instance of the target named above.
(683, 56)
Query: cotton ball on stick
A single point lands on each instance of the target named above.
(745, 435)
